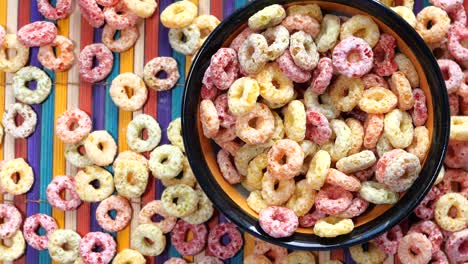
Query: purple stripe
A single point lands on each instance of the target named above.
(164, 107)
(228, 8)
(99, 93)
(34, 147)
(418, 5)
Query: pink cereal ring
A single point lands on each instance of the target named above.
(373, 127)
(208, 93)
(373, 80)
(192, 247)
(59, 185)
(388, 241)
(317, 129)
(439, 257)
(61, 10)
(123, 213)
(457, 34)
(419, 113)
(37, 34)
(175, 261)
(107, 3)
(278, 221)
(385, 159)
(239, 39)
(91, 12)
(365, 175)
(455, 246)
(447, 5)
(309, 219)
(105, 61)
(64, 61)
(226, 119)
(65, 128)
(292, 152)
(32, 224)
(228, 170)
(458, 16)
(119, 16)
(322, 76)
(384, 54)
(224, 68)
(333, 200)
(127, 38)
(454, 74)
(454, 104)
(454, 177)
(11, 220)
(457, 155)
(431, 230)
(338, 178)
(357, 207)
(94, 240)
(415, 248)
(353, 69)
(274, 253)
(425, 209)
(301, 22)
(291, 70)
(2, 35)
(227, 250)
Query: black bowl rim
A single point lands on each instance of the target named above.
(360, 234)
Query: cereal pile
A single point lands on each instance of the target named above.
(321, 117)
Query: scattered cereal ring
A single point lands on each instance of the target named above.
(206, 24)
(269, 16)
(303, 50)
(8, 64)
(60, 10)
(443, 216)
(454, 178)
(454, 74)
(414, 248)
(209, 260)
(431, 231)
(73, 126)
(15, 249)
(29, 120)
(388, 241)
(157, 65)
(278, 221)
(373, 254)
(289, 150)
(24, 179)
(419, 113)
(74, 155)
(155, 208)
(301, 22)
(64, 61)
(119, 16)
(148, 239)
(24, 93)
(11, 220)
(333, 226)
(64, 245)
(329, 33)
(37, 33)
(86, 179)
(130, 178)
(192, 247)
(174, 133)
(256, 259)
(187, 200)
(100, 147)
(59, 185)
(187, 176)
(456, 35)
(185, 40)
(97, 239)
(122, 217)
(398, 128)
(458, 16)
(253, 62)
(447, 5)
(126, 40)
(179, 14)
(141, 8)
(130, 155)
(91, 12)
(175, 261)
(362, 27)
(203, 212)
(129, 256)
(377, 193)
(119, 95)
(360, 66)
(300, 257)
(105, 60)
(454, 104)
(439, 20)
(425, 209)
(224, 251)
(274, 253)
(454, 246)
(135, 128)
(107, 3)
(166, 161)
(32, 224)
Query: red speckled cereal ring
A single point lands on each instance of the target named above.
(97, 239)
(91, 12)
(155, 208)
(226, 119)
(59, 185)
(419, 113)
(301, 22)
(278, 221)
(309, 219)
(224, 68)
(318, 129)
(397, 169)
(47, 57)
(65, 127)
(322, 76)
(454, 104)
(455, 246)
(291, 70)
(161, 64)
(208, 93)
(373, 80)
(119, 16)
(415, 242)
(228, 250)
(373, 128)
(454, 74)
(37, 34)
(333, 200)
(384, 56)
(431, 231)
(425, 209)
(458, 17)
(456, 36)
(289, 149)
(192, 247)
(454, 177)
(356, 68)
(338, 178)
(11, 220)
(439, 257)
(32, 224)
(61, 10)
(127, 38)
(447, 5)
(228, 170)
(357, 207)
(123, 213)
(457, 154)
(105, 60)
(388, 241)
(365, 175)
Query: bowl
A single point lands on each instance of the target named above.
(230, 200)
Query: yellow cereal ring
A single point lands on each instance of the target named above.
(279, 131)
(333, 226)
(267, 17)
(377, 193)
(187, 200)
(342, 143)
(459, 128)
(85, 179)
(15, 249)
(329, 33)
(406, 13)
(377, 100)
(406, 66)
(346, 92)
(206, 24)
(302, 199)
(8, 64)
(203, 212)
(362, 27)
(440, 176)
(398, 128)
(278, 195)
(383, 145)
(440, 23)
(174, 133)
(299, 257)
(25, 177)
(309, 148)
(357, 135)
(312, 10)
(253, 179)
(402, 89)
(130, 178)
(255, 201)
(119, 95)
(188, 178)
(373, 254)
(129, 256)
(242, 95)
(179, 14)
(295, 120)
(275, 87)
(148, 232)
(166, 161)
(443, 216)
(421, 143)
(245, 154)
(356, 162)
(318, 169)
(100, 147)
(64, 245)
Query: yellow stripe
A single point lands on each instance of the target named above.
(249, 244)
(3, 9)
(126, 65)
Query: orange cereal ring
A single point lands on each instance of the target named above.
(289, 150)
(373, 128)
(264, 126)
(415, 248)
(300, 22)
(440, 23)
(209, 118)
(401, 87)
(47, 57)
(338, 178)
(123, 213)
(127, 38)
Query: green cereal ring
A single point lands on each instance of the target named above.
(191, 34)
(267, 17)
(377, 193)
(88, 178)
(148, 232)
(100, 147)
(204, 211)
(329, 33)
(73, 155)
(174, 133)
(15, 249)
(187, 177)
(130, 178)
(26, 95)
(25, 179)
(129, 256)
(135, 129)
(187, 200)
(166, 161)
(64, 245)
(246, 153)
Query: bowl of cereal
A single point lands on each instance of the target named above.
(312, 124)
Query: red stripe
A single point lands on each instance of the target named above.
(337, 255)
(85, 104)
(217, 8)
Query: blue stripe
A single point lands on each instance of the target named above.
(178, 90)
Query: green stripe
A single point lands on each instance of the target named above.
(178, 90)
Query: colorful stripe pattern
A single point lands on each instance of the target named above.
(45, 153)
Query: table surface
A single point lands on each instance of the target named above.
(45, 152)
